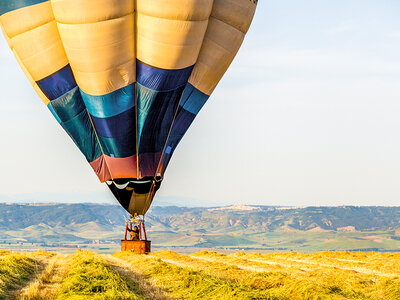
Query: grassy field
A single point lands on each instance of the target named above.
(192, 241)
(201, 275)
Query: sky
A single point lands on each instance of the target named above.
(308, 114)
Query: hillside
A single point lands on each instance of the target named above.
(201, 275)
(235, 227)
(261, 219)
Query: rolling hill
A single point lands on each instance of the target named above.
(229, 228)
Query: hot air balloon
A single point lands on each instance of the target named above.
(126, 78)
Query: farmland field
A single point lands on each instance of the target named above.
(201, 275)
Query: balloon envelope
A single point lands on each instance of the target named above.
(126, 78)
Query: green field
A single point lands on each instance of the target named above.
(284, 241)
(300, 241)
(201, 275)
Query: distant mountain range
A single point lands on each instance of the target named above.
(268, 218)
(241, 226)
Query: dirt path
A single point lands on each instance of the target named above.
(145, 288)
(46, 284)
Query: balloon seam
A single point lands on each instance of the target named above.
(137, 137)
(98, 21)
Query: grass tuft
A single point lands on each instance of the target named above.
(91, 278)
(393, 289)
(15, 270)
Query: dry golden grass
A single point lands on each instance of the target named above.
(387, 264)
(210, 267)
(202, 275)
(360, 275)
(276, 284)
(16, 270)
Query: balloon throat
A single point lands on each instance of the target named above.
(135, 195)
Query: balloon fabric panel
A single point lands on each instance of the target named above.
(191, 103)
(158, 95)
(40, 50)
(57, 84)
(68, 106)
(37, 89)
(81, 131)
(70, 111)
(107, 167)
(111, 104)
(100, 48)
(169, 34)
(161, 80)
(90, 11)
(156, 128)
(101, 54)
(118, 133)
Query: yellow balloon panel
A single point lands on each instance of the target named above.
(229, 21)
(101, 54)
(169, 44)
(41, 50)
(237, 13)
(102, 83)
(31, 81)
(186, 10)
(219, 48)
(96, 47)
(21, 20)
(90, 11)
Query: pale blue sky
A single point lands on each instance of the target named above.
(308, 114)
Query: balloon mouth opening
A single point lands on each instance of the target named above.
(135, 195)
(140, 186)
